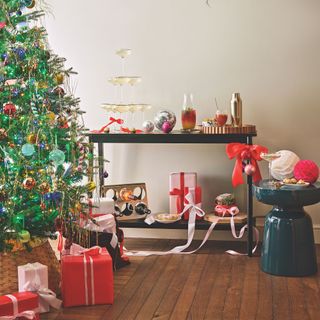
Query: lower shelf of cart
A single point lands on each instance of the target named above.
(224, 224)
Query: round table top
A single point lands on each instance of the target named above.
(288, 196)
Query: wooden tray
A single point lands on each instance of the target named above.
(247, 128)
(241, 217)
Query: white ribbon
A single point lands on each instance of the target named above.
(45, 294)
(194, 211)
(30, 314)
(105, 223)
(86, 279)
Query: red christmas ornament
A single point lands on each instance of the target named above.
(2, 24)
(9, 109)
(166, 127)
(249, 169)
(306, 170)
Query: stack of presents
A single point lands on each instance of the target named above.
(86, 274)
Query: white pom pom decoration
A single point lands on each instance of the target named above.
(282, 167)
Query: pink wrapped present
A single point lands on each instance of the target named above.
(177, 182)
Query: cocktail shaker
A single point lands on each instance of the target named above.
(236, 110)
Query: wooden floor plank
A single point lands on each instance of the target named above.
(219, 290)
(280, 305)
(235, 289)
(249, 301)
(160, 287)
(265, 299)
(187, 294)
(312, 296)
(297, 302)
(201, 299)
(174, 289)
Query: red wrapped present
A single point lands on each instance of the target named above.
(87, 277)
(21, 305)
(196, 193)
(178, 181)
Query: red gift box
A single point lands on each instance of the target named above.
(196, 192)
(20, 305)
(87, 279)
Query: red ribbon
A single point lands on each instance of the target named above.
(111, 121)
(244, 152)
(180, 193)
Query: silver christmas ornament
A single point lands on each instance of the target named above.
(165, 116)
(148, 126)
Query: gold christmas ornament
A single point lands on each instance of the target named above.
(24, 236)
(51, 116)
(3, 134)
(32, 138)
(29, 183)
(59, 78)
(44, 187)
(91, 186)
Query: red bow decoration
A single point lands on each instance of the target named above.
(245, 152)
(111, 121)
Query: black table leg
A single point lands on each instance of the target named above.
(101, 166)
(249, 209)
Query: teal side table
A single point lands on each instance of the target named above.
(288, 244)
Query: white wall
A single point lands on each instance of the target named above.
(269, 51)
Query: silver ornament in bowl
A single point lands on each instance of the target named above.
(148, 126)
(165, 117)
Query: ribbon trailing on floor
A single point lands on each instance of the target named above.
(194, 211)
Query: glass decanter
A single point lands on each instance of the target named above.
(188, 114)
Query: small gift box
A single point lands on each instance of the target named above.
(196, 194)
(87, 277)
(101, 205)
(34, 277)
(21, 305)
(177, 182)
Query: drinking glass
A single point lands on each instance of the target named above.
(269, 157)
(221, 118)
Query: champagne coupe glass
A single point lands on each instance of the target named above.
(269, 157)
(123, 53)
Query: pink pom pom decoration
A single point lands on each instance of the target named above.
(306, 170)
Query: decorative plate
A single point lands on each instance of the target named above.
(167, 218)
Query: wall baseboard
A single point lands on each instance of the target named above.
(199, 234)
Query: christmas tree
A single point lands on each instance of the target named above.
(43, 149)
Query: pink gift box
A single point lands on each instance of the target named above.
(177, 182)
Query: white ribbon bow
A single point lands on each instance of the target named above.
(29, 314)
(44, 294)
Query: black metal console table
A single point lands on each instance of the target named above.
(175, 138)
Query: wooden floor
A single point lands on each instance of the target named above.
(207, 285)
